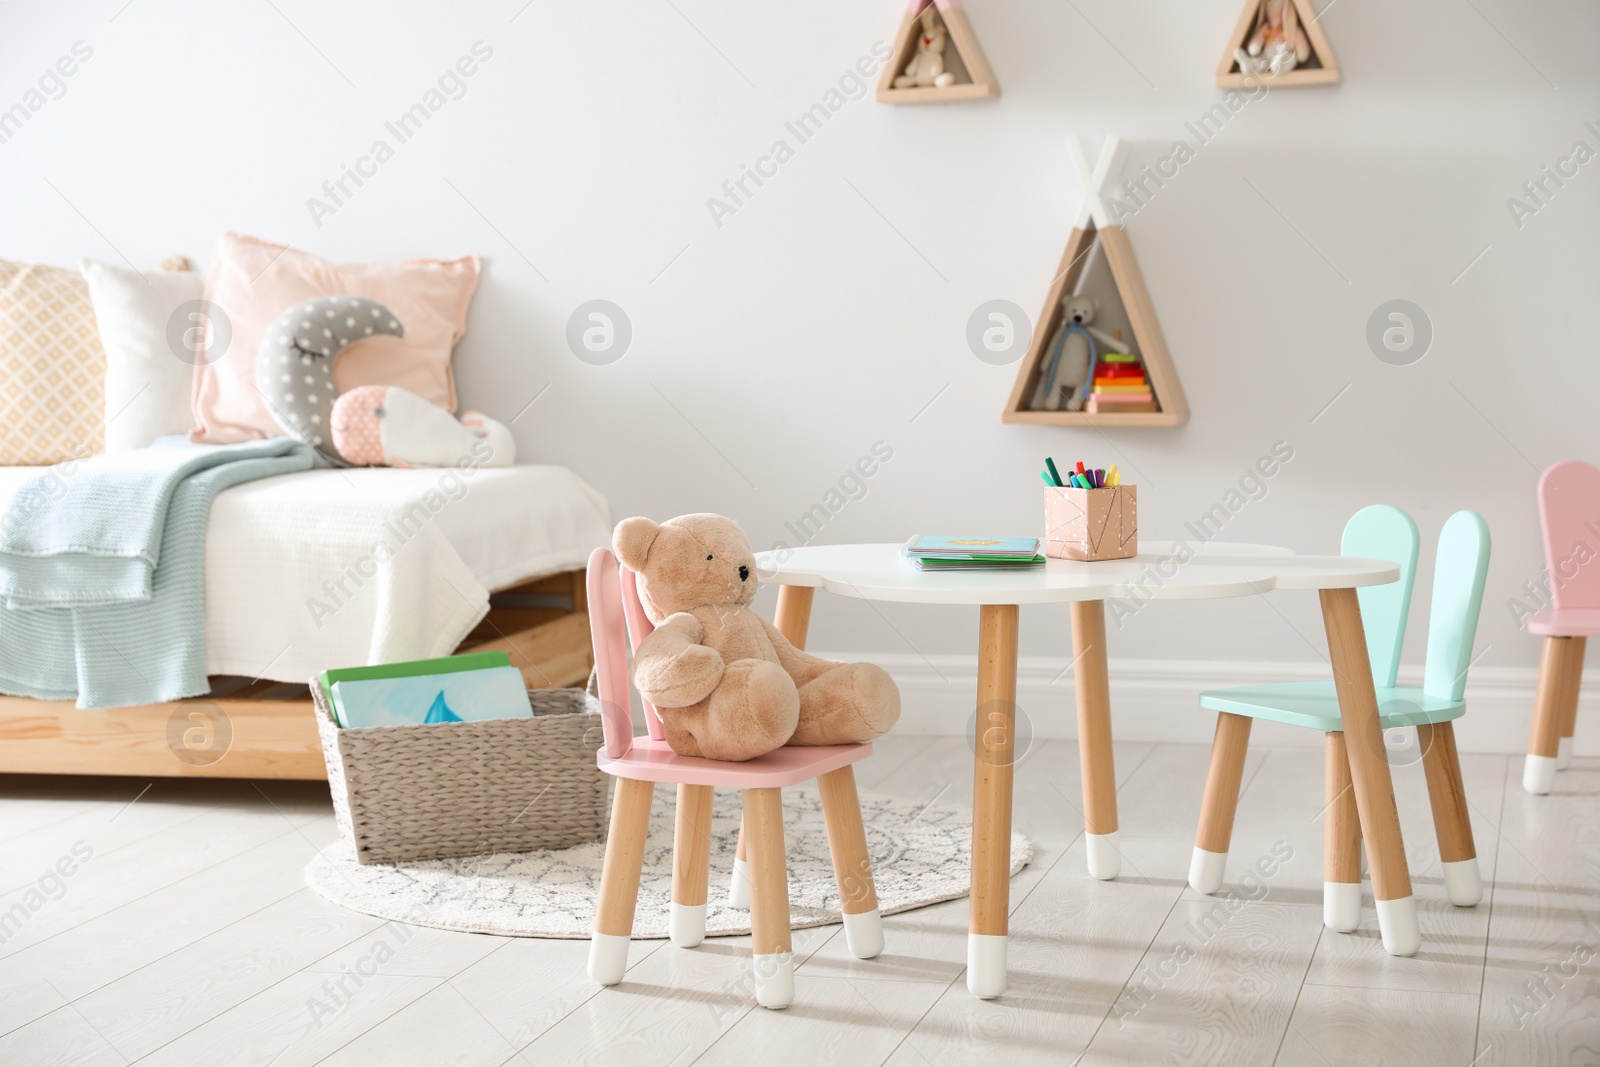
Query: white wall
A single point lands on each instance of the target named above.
(772, 351)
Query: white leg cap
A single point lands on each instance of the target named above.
(774, 974)
(863, 933)
(1205, 870)
(1105, 862)
(686, 924)
(739, 886)
(986, 965)
(1539, 774)
(1463, 883)
(608, 958)
(1341, 906)
(1397, 920)
(1564, 754)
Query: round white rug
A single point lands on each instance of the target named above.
(920, 856)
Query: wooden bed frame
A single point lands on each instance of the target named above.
(265, 729)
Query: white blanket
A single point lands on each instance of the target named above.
(336, 568)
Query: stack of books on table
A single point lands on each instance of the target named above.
(1120, 386)
(938, 553)
(469, 688)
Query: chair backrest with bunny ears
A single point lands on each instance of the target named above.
(639, 628)
(1569, 512)
(608, 634)
(1459, 572)
(1384, 532)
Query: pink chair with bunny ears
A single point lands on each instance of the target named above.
(1569, 512)
(638, 763)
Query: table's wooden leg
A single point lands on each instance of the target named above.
(994, 747)
(1369, 772)
(793, 619)
(1093, 679)
(1558, 686)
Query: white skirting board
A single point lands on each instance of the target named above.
(1158, 700)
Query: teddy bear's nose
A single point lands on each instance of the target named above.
(1077, 318)
(744, 573)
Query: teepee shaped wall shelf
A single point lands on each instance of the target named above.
(1320, 69)
(966, 74)
(1095, 234)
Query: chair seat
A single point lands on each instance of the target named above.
(1316, 704)
(654, 761)
(1565, 622)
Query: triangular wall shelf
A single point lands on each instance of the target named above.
(1321, 69)
(1093, 233)
(963, 59)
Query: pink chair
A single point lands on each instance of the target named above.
(1569, 512)
(638, 763)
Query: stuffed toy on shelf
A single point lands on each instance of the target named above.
(1278, 43)
(1064, 379)
(926, 66)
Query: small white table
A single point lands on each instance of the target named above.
(1162, 571)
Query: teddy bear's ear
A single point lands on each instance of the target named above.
(632, 540)
(1094, 303)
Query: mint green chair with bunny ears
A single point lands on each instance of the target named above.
(1460, 569)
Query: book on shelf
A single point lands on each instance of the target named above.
(1121, 406)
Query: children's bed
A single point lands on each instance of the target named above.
(331, 568)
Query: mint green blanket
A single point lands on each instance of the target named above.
(102, 595)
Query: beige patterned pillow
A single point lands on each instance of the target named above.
(52, 368)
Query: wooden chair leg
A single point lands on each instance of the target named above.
(1229, 747)
(1369, 772)
(1569, 710)
(1341, 840)
(1451, 821)
(1549, 707)
(773, 956)
(739, 880)
(691, 866)
(619, 881)
(852, 865)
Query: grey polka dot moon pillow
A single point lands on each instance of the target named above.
(294, 366)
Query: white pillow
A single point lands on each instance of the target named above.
(148, 383)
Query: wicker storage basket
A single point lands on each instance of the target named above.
(435, 791)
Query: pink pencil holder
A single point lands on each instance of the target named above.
(1091, 524)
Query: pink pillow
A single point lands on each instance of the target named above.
(251, 281)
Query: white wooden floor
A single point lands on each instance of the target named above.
(186, 937)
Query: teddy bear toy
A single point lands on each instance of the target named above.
(1065, 380)
(727, 684)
